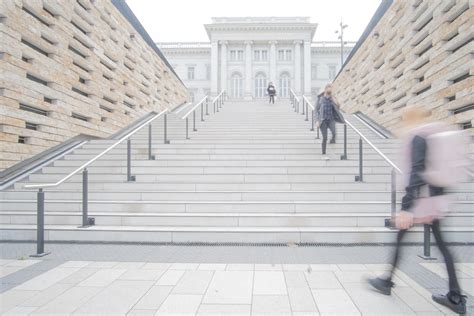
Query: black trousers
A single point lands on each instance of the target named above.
(325, 125)
(272, 99)
(453, 281)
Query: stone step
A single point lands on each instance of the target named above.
(173, 234)
(217, 178)
(217, 206)
(224, 220)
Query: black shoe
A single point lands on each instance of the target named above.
(459, 308)
(332, 142)
(383, 286)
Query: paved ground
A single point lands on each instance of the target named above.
(204, 280)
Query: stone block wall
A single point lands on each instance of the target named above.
(72, 67)
(420, 52)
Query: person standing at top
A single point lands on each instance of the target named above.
(326, 116)
(271, 92)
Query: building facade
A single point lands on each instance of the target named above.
(245, 54)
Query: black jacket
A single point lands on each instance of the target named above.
(418, 157)
(271, 91)
(338, 117)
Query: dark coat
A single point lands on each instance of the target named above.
(271, 92)
(338, 117)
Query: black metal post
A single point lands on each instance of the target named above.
(202, 112)
(150, 155)
(360, 177)
(40, 225)
(426, 243)
(217, 105)
(194, 121)
(165, 127)
(312, 121)
(307, 115)
(393, 195)
(187, 128)
(207, 106)
(344, 155)
(304, 103)
(130, 178)
(85, 198)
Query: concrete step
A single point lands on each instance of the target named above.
(140, 206)
(224, 220)
(173, 234)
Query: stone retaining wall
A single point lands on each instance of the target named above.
(74, 67)
(419, 52)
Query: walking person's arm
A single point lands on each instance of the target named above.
(418, 154)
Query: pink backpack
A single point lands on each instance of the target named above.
(445, 166)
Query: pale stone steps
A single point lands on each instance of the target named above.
(225, 219)
(226, 234)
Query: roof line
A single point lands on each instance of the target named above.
(128, 14)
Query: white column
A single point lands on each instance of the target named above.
(248, 70)
(223, 65)
(307, 68)
(297, 85)
(273, 62)
(214, 67)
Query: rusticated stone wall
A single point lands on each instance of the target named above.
(420, 52)
(72, 67)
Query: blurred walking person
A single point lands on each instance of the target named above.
(433, 159)
(271, 92)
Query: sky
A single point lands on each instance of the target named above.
(182, 20)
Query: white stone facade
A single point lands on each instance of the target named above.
(245, 54)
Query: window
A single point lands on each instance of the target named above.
(208, 72)
(281, 54)
(288, 54)
(236, 86)
(233, 55)
(284, 85)
(332, 71)
(260, 85)
(314, 72)
(191, 73)
(240, 55)
(264, 55)
(256, 55)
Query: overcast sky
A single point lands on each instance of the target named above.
(182, 20)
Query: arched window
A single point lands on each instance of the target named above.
(236, 86)
(260, 85)
(284, 85)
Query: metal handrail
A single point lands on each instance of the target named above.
(388, 160)
(295, 96)
(218, 96)
(194, 107)
(88, 163)
(309, 103)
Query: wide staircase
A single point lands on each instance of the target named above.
(250, 173)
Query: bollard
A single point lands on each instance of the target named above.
(165, 127)
(130, 178)
(344, 155)
(426, 243)
(150, 155)
(40, 225)
(360, 177)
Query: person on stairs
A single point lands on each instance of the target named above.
(326, 115)
(271, 92)
(423, 203)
